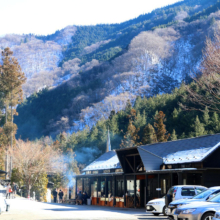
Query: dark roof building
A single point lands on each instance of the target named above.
(141, 170)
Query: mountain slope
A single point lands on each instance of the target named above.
(131, 60)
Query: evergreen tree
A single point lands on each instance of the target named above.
(11, 80)
(175, 114)
(161, 131)
(149, 135)
(128, 106)
(199, 128)
(206, 116)
(138, 122)
(173, 135)
(113, 125)
(138, 102)
(94, 133)
(215, 122)
(144, 120)
(182, 136)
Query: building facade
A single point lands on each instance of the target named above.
(130, 177)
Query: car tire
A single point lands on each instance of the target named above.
(156, 214)
(207, 216)
(164, 211)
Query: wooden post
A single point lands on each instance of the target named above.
(97, 198)
(125, 190)
(76, 189)
(106, 191)
(90, 186)
(114, 193)
(135, 191)
(146, 191)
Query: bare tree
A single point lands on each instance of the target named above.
(206, 90)
(33, 159)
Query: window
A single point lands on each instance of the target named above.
(200, 189)
(215, 193)
(118, 170)
(106, 171)
(188, 192)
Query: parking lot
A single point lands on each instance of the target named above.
(22, 209)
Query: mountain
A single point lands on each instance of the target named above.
(79, 74)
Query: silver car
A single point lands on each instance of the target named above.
(203, 196)
(216, 216)
(198, 210)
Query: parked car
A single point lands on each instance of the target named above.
(158, 206)
(198, 210)
(203, 196)
(216, 216)
(4, 206)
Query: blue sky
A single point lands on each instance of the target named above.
(46, 16)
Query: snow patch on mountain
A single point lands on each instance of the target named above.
(152, 75)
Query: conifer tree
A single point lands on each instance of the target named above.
(11, 80)
(137, 104)
(128, 106)
(131, 137)
(175, 114)
(138, 121)
(199, 128)
(161, 132)
(173, 135)
(149, 135)
(215, 122)
(144, 120)
(182, 136)
(94, 133)
(206, 115)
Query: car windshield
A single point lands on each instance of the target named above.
(204, 194)
(215, 199)
(171, 190)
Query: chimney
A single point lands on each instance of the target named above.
(108, 145)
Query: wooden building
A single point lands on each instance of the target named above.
(132, 176)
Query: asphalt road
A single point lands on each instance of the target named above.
(23, 209)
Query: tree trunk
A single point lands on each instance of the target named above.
(11, 127)
(29, 191)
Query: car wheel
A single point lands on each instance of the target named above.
(156, 214)
(165, 210)
(208, 216)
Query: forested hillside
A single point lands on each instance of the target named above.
(96, 69)
(137, 125)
